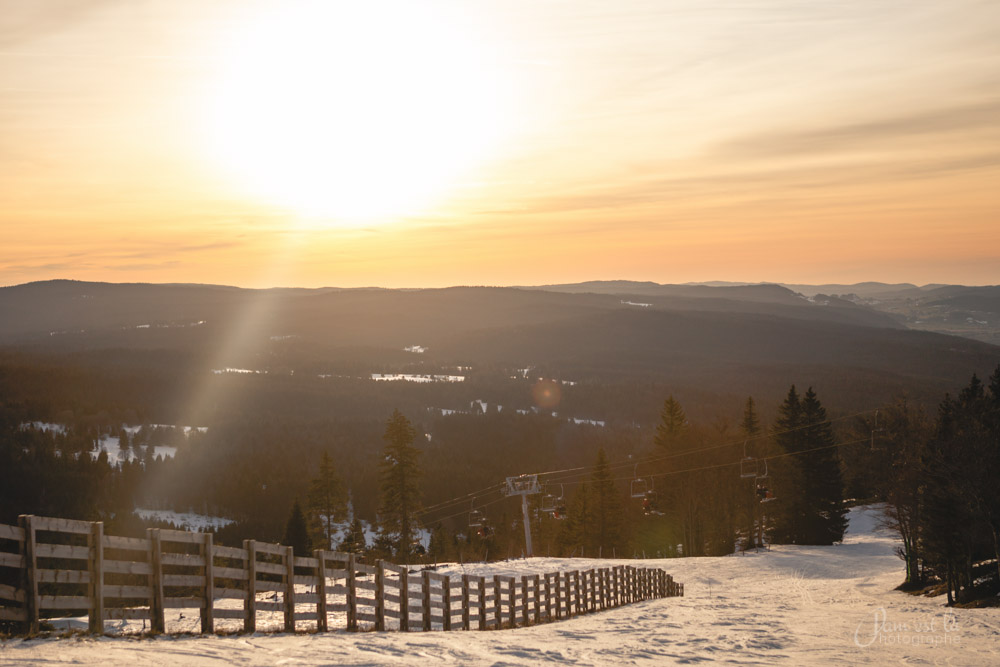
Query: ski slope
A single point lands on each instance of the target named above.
(791, 605)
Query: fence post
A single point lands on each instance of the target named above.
(525, 616)
(404, 600)
(481, 585)
(425, 599)
(30, 578)
(289, 558)
(379, 595)
(157, 623)
(538, 598)
(558, 576)
(465, 602)
(497, 587)
(250, 604)
(321, 620)
(446, 599)
(96, 540)
(579, 596)
(352, 592)
(208, 611)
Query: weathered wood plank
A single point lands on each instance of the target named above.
(272, 549)
(186, 560)
(351, 595)
(270, 586)
(302, 580)
(306, 616)
(249, 608)
(366, 617)
(263, 605)
(208, 612)
(182, 536)
(29, 571)
(229, 552)
(12, 614)
(321, 612)
(63, 576)
(11, 533)
(127, 567)
(271, 568)
(235, 614)
(391, 567)
(306, 561)
(115, 591)
(61, 525)
(367, 585)
(62, 551)
(11, 560)
(184, 580)
(125, 543)
(156, 609)
(11, 593)
(239, 574)
(96, 588)
(289, 563)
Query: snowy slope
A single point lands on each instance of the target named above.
(791, 605)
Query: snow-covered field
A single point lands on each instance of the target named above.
(791, 605)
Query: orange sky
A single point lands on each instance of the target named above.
(510, 142)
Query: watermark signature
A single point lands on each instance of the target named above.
(879, 629)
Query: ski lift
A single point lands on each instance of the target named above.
(485, 531)
(650, 504)
(875, 429)
(548, 504)
(764, 493)
(560, 512)
(748, 464)
(475, 519)
(639, 487)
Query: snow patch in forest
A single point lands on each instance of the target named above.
(237, 371)
(184, 520)
(636, 303)
(410, 377)
(591, 422)
(415, 349)
(44, 427)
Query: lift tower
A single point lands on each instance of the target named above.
(524, 486)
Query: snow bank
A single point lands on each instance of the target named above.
(788, 606)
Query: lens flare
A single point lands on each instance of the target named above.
(546, 394)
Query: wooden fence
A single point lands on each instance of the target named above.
(59, 567)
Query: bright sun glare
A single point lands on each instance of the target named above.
(355, 112)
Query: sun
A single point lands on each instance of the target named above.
(356, 112)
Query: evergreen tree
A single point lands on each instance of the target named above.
(327, 503)
(809, 482)
(400, 494)
(752, 510)
(354, 541)
(672, 427)
(296, 532)
(606, 506)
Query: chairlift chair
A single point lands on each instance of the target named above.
(475, 519)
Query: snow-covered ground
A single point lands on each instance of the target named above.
(790, 605)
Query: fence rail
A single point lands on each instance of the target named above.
(53, 567)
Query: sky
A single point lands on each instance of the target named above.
(514, 142)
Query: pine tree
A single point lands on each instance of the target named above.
(400, 494)
(673, 425)
(296, 532)
(327, 503)
(354, 541)
(606, 506)
(752, 508)
(824, 490)
(809, 482)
